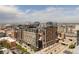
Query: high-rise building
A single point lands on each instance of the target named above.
(48, 34)
(40, 37)
(30, 37)
(19, 34)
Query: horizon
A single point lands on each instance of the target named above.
(41, 13)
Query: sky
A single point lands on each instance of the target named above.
(41, 13)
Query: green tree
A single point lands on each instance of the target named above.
(72, 46)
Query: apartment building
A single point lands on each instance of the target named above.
(77, 31)
(11, 33)
(8, 42)
(30, 37)
(19, 34)
(41, 36)
(68, 32)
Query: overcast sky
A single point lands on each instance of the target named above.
(24, 13)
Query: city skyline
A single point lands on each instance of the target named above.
(41, 13)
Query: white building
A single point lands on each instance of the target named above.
(8, 39)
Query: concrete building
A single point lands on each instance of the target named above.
(30, 37)
(77, 31)
(2, 33)
(11, 33)
(19, 34)
(9, 42)
(41, 36)
(68, 32)
(49, 36)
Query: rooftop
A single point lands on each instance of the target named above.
(8, 39)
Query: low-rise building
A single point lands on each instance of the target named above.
(69, 32)
(8, 42)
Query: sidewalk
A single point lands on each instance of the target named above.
(26, 47)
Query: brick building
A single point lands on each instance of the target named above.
(40, 37)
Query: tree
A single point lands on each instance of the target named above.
(23, 50)
(36, 24)
(72, 46)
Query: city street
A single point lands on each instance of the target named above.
(26, 47)
(56, 48)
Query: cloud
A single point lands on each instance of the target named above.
(27, 11)
(56, 15)
(13, 14)
(8, 9)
